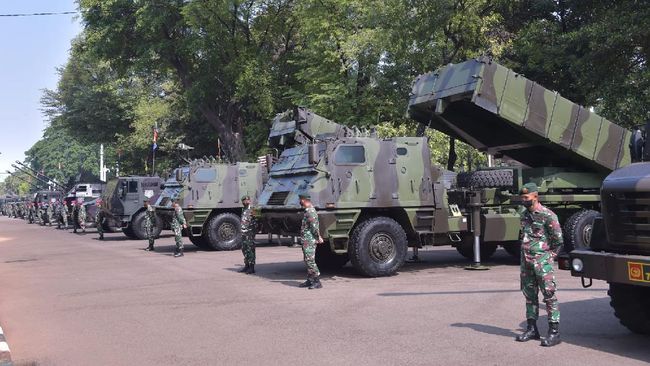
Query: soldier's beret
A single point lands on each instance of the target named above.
(245, 197)
(304, 196)
(528, 188)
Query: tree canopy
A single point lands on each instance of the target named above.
(213, 73)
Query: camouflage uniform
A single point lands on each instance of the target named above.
(309, 234)
(82, 217)
(75, 217)
(248, 230)
(64, 212)
(149, 223)
(541, 239)
(50, 213)
(99, 221)
(178, 220)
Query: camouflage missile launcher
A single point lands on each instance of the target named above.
(565, 148)
(123, 201)
(209, 193)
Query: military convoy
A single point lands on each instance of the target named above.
(123, 204)
(209, 192)
(619, 251)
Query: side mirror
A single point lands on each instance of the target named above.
(179, 175)
(312, 153)
(646, 143)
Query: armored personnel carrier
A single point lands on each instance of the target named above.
(209, 192)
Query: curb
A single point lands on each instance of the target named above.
(5, 354)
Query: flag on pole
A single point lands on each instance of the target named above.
(155, 137)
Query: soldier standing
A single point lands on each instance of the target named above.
(541, 240)
(82, 216)
(248, 231)
(99, 219)
(64, 212)
(310, 237)
(149, 223)
(57, 214)
(178, 224)
(50, 213)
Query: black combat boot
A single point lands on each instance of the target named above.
(553, 336)
(316, 284)
(306, 283)
(179, 253)
(150, 247)
(531, 332)
(244, 269)
(251, 269)
(101, 237)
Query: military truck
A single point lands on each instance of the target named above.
(209, 192)
(565, 148)
(619, 252)
(123, 200)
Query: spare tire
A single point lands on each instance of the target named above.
(577, 230)
(486, 179)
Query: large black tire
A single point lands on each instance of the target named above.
(223, 232)
(378, 247)
(486, 179)
(108, 228)
(328, 260)
(466, 248)
(577, 230)
(128, 231)
(137, 226)
(631, 306)
(513, 248)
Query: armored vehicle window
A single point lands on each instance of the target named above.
(350, 154)
(205, 175)
(133, 186)
(243, 172)
(401, 151)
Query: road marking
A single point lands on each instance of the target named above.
(4, 347)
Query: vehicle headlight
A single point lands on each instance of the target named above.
(577, 264)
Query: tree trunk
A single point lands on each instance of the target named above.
(230, 132)
(451, 161)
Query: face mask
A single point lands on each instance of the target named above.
(527, 203)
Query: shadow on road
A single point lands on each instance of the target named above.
(585, 323)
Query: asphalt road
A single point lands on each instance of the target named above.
(69, 299)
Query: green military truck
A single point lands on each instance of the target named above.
(565, 148)
(209, 192)
(619, 251)
(123, 199)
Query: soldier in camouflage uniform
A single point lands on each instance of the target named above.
(57, 214)
(178, 224)
(149, 223)
(541, 240)
(99, 219)
(65, 211)
(75, 216)
(248, 230)
(49, 212)
(82, 216)
(310, 237)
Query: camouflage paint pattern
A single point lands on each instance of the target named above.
(541, 240)
(206, 187)
(498, 110)
(178, 220)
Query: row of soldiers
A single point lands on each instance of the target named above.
(48, 213)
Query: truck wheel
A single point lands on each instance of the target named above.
(631, 306)
(486, 179)
(466, 248)
(128, 231)
(326, 259)
(577, 230)
(224, 232)
(137, 225)
(378, 247)
(514, 249)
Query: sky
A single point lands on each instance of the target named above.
(31, 50)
